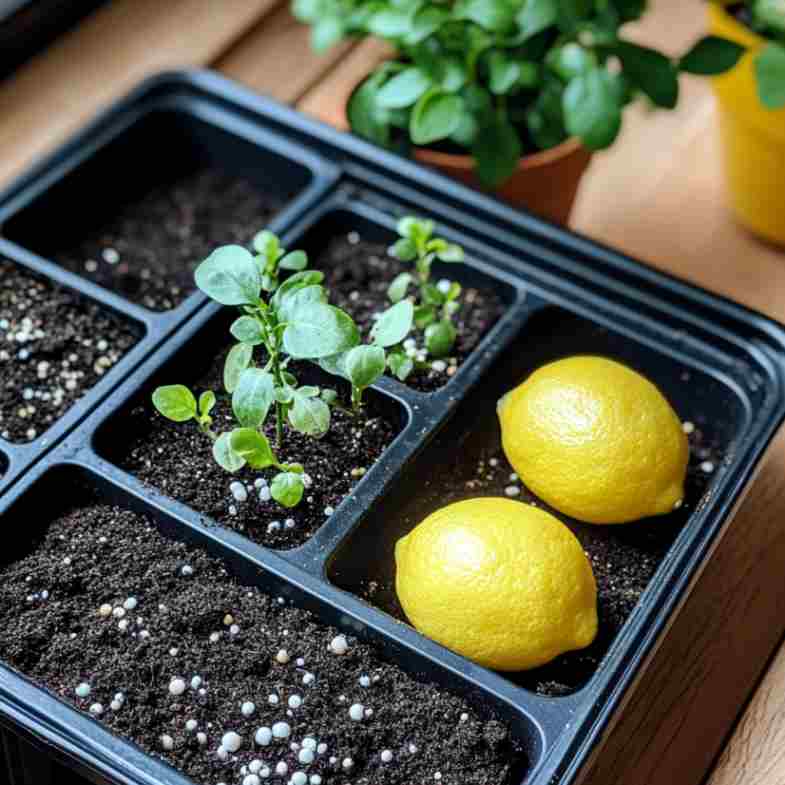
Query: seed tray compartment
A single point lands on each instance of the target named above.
(16, 457)
(564, 294)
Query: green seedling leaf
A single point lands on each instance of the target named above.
(396, 291)
(710, 56)
(319, 330)
(454, 292)
(334, 365)
(329, 397)
(284, 394)
(175, 402)
(770, 15)
(404, 249)
(390, 23)
(225, 456)
(418, 230)
(309, 414)
(425, 23)
(298, 298)
(295, 282)
(651, 72)
(431, 294)
(400, 364)
(592, 108)
(326, 32)
(366, 117)
(435, 116)
(494, 15)
(424, 315)
(230, 276)
(296, 260)
(253, 447)
(770, 74)
(451, 253)
(570, 60)
(267, 244)
(504, 73)
(206, 402)
(246, 329)
(440, 338)
(393, 325)
(238, 359)
(403, 89)
(287, 488)
(253, 397)
(364, 365)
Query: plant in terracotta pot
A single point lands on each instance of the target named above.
(752, 112)
(510, 95)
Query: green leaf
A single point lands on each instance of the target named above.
(418, 230)
(334, 365)
(545, 118)
(319, 330)
(570, 60)
(630, 10)
(570, 13)
(296, 260)
(287, 488)
(390, 23)
(307, 10)
(298, 298)
(326, 32)
(435, 116)
(329, 397)
(238, 359)
(230, 276)
(651, 72)
(452, 74)
(425, 23)
(253, 447)
(770, 73)
(424, 315)
(592, 108)
(536, 16)
(451, 253)
(366, 117)
(496, 151)
(396, 291)
(225, 456)
(293, 284)
(206, 402)
(267, 244)
(400, 364)
(403, 89)
(404, 249)
(769, 15)
(710, 56)
(175, 402)
(393, 325)
(504, 73)
(494, 15)
(309, 414)
(246, 329)
(364, 365)
(440, 338)
(253, 397)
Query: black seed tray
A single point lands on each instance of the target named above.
(720, 364)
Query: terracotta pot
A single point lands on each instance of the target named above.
(545, 183)
(753, 137)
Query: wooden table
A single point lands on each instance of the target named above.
(657, 195)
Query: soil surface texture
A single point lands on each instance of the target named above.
(53, 348)
(156, 641)
(358, 274)
(177, 460)
(147, 252)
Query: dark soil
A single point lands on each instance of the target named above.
(624, 557)
(177, 460)
(53, 348)
(93, 555)
(148, 250)
(358, 274)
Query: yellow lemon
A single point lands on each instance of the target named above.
(501, 582)
(595, 440)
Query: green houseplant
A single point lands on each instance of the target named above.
(483, 88)
(752, 113)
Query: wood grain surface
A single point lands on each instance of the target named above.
(657, 194)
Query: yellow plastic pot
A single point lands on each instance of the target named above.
(753, 136)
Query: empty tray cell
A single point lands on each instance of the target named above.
(186, 648)
(176, 458)
(466, 460)
(154, 203)
(54, 346)
(352, 251)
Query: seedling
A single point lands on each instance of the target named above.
(436, 303)
(289, 320)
